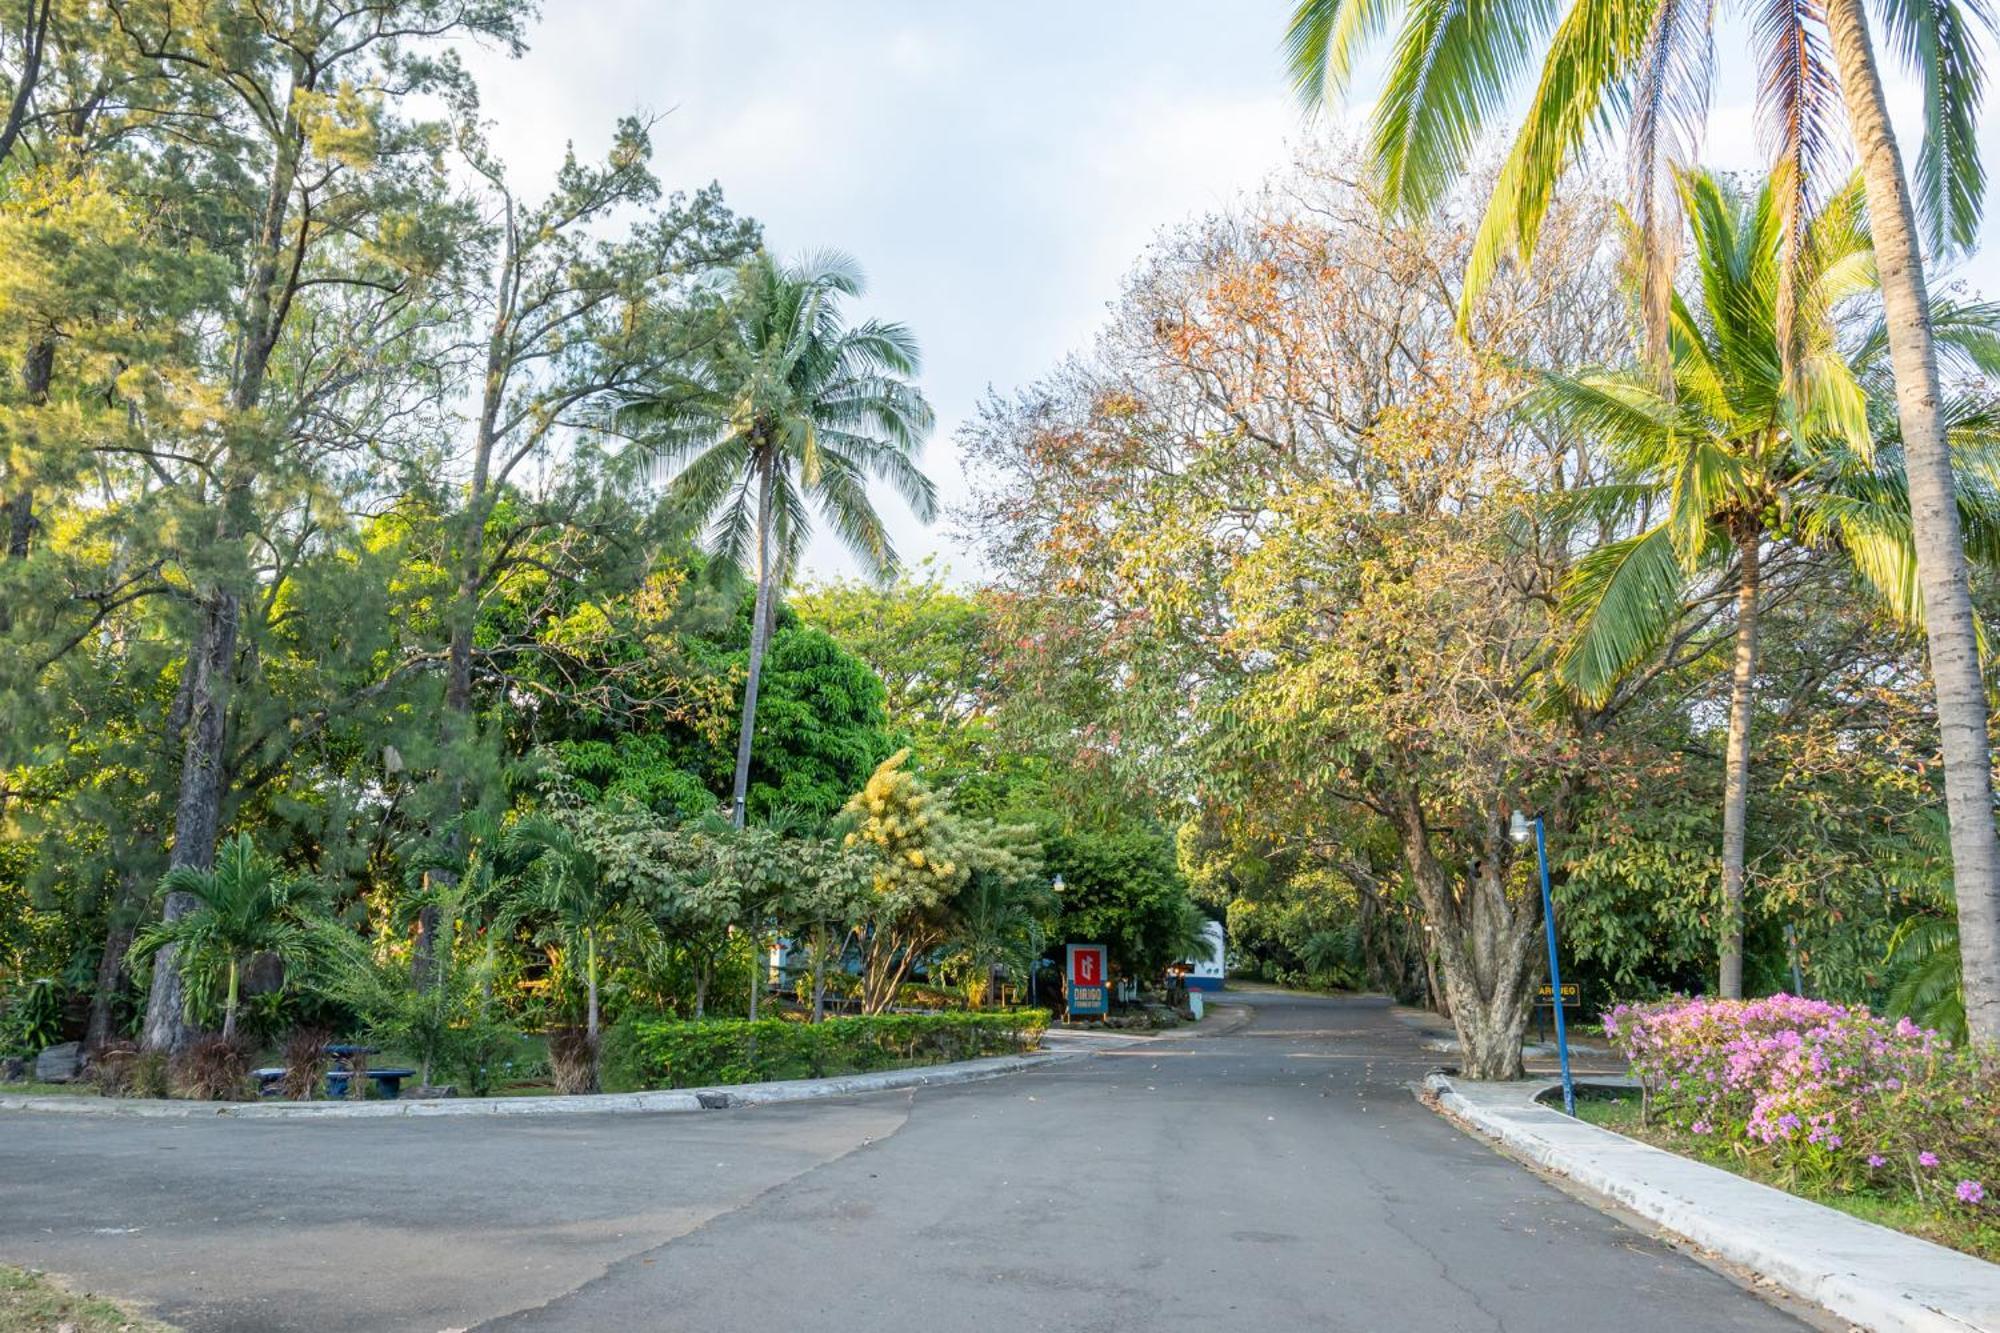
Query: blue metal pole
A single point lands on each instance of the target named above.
(1555, 970)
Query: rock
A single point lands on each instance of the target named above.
(14, 1069)
(59, 1064)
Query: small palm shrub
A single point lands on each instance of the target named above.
(306, 1062)
(123, 1070)
(573, 1060)
(213, 1069)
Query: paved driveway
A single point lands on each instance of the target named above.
(1278, 1178)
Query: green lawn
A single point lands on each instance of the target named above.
(1968, 1233)
(31, 1303)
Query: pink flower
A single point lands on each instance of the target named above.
(1970, 1191)
(1877, 1159)
(1927, 1159)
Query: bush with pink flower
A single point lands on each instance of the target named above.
(1826, 1095)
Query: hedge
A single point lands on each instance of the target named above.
(657, 1052)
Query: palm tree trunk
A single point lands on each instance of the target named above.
(590, 985)
(229, 1005)
(1941, 571)
(1736, 773)
(759, 639)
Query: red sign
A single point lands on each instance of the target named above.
(1088, 993)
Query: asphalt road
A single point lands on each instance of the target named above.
(1278, 1178)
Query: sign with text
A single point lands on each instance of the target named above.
(1544, 994)
(1086, 980)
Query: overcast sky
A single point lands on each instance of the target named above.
(997, 168)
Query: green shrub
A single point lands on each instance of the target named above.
(645, 1052)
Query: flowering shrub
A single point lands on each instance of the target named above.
(1827, 1095)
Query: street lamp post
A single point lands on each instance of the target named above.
(1519, 831)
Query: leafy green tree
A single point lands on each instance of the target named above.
(790, 411)
(246, 905)
(1123, 889)
(1452, 69)
(331, 164)
(1735, 461)
(572, 320)
(914, 851)
(933, 648)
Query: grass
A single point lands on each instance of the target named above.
(33, 1089)
(31, 1303)
(1968, 1233)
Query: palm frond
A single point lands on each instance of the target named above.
(1939, 42)
(1625, 597)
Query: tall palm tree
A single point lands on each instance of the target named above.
(245, 906)
(1735, 457)
(791, 412)
(1455, 66)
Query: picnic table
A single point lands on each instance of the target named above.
(388, 1082)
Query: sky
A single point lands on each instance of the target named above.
(997, 168)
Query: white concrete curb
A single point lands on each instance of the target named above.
(680, 1099)
(1873, 1277)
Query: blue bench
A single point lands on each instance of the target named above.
(388, 1082)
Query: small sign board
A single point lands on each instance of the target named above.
(1086, 981)
(1544, 994)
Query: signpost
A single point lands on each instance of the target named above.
(1085, 983)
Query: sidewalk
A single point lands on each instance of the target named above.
(1876, 1278)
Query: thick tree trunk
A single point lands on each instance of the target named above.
(1941, 570)
(759, 640)
(1736, 772)
(1485, 942)
(212, 655)
(110, 978)
(198, 813)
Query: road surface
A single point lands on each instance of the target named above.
(1281, 1177)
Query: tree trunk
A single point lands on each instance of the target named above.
(229, 1005)
(759, 622)
(110, 978)
(17, 511)
(1941, 570)
(212, 655)
(758, 969)
(590, 983)
(34, 44)
(1485, 941)
(198, 813)
(1736, 773)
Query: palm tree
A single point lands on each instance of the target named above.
(790, 412)
(565, 882)
(1454, 66)
(243, 907)
(1736, 457)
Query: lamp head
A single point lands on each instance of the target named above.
(1518, 829)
